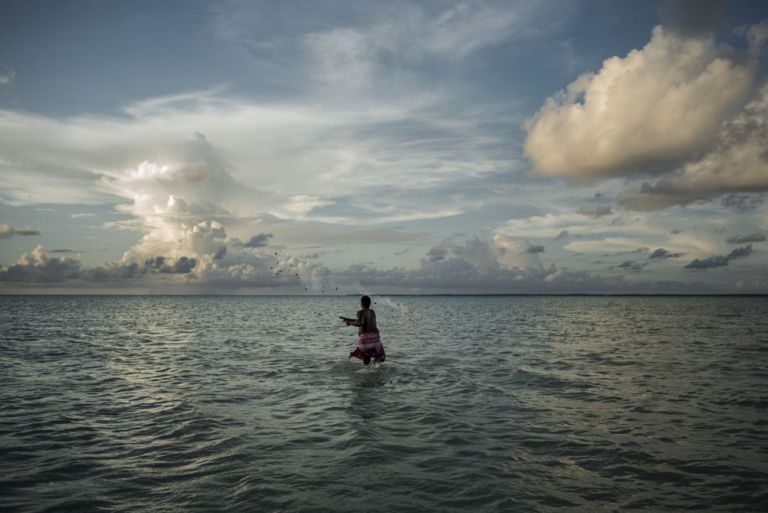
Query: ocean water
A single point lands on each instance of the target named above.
(529, 404)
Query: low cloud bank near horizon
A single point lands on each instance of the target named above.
(472, 265)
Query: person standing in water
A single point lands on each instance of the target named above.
(368, 339)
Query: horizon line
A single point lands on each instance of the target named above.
(499, 294)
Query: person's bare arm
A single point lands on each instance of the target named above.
(354, 322)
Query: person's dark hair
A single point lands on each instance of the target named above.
(365, 301)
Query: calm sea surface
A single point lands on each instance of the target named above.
(530, 404)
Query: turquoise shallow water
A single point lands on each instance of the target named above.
(530, 404)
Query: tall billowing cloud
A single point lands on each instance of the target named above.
(642, 113)
(183, 207)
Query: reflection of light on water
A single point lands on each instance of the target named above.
(146, 357)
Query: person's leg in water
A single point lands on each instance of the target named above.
(366, 360)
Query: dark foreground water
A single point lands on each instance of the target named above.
(530, 404)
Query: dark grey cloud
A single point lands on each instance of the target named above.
(661, 254)
(595, 211)
(631, 265)
(437, 253)
(742, 201)
(183, 265)
(706, 263)
(124, 272)
(258, 241)
(27, 231)
(535, 249)
(743, 239)
(161, 264)
(154, 263)
(7, 231)
(692, 17)
(563, 235)
(720, 260)
(741, 252)
(220, 253)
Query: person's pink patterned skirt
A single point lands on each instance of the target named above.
(369, 348)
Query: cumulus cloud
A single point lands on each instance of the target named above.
(464, 265)
(477, 265)
(720, 260)
(178, 208)
(478, 256)
(743, 239)
(38, 267)
(641, 113)
(752, 286)
(737, 163)
(514, 253)
(7, 231)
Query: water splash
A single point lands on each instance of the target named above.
(313, 280)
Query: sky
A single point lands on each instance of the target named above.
(246, 147)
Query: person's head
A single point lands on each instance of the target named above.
(365, 301)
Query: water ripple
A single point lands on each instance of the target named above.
(485, 404)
